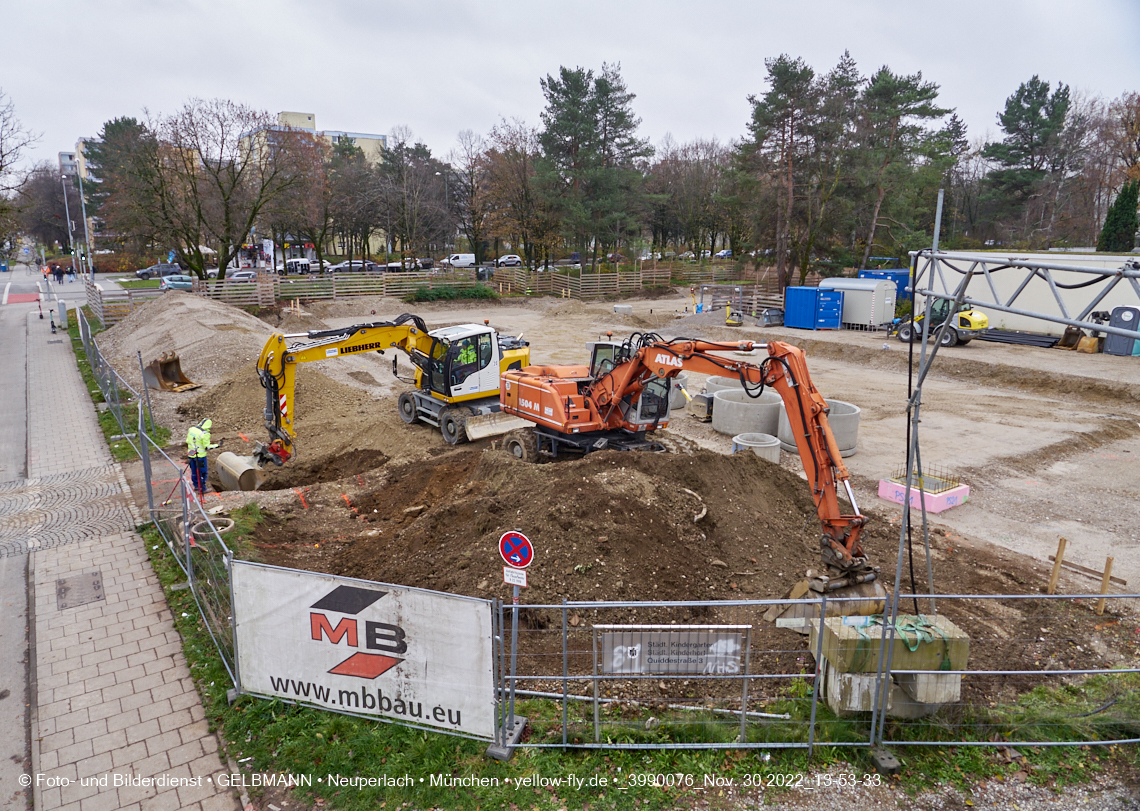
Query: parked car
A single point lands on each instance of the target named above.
(725, 254)
(176, 281)
(159, 270)
(459, 260)
(355, 266)
(242, 276)
(616, 258)
(509, 260)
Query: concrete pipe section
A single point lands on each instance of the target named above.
(238, 472)
(844, 421)
(766, 446)
(677, 398)
(717, 383)
(734, 412)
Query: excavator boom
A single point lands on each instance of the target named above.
(580, 408)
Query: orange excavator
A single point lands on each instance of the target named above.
(622, 397)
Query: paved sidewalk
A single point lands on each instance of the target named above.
(113, 694)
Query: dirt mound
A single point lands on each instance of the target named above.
(628, 526)
(212, 339)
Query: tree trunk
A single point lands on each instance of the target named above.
(874, 225)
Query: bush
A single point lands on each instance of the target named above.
(447, 293)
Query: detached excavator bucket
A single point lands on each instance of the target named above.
(165, 373)
(238, 472)
(861, 599)
(483, 426)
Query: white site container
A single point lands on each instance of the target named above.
(867, 303)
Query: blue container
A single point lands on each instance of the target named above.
(901, 278)
(812, 308)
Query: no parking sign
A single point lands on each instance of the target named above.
(518, 552)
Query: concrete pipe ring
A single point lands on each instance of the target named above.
(202, 528)
(843, 420)
(734, 412)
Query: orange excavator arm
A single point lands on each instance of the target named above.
(785, 370)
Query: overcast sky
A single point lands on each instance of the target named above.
(442, 67)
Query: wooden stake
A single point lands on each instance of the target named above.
(1104, 585)
(1055, 576)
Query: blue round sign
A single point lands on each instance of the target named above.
(516, 549)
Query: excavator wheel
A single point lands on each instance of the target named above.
(452, 424)
(407, 407)
(522, 444)
(906, 332)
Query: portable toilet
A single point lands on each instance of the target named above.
(867, 303)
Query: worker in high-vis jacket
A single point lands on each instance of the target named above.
(197, 443)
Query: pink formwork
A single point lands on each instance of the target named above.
(935, 502)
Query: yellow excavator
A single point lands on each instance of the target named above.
(457, 372)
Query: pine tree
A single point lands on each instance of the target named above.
(1121, 224)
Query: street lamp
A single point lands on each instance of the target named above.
(86, 233)
(67, 216)
(447, 209)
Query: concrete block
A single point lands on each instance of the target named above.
(903, 706)
(931, 688)
(848, 693)
(623, 309)
(855, 649)
(935, 502)
(843, 419)
(737, 413)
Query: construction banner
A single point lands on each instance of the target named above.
(410, 655)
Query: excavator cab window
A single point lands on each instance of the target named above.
(653, 405)
(438, 361)
(486, 350)
(463, 359)
(602, 360)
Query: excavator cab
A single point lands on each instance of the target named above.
(603, 357)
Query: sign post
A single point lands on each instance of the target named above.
(518, 553)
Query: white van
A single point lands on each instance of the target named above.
(460, 260)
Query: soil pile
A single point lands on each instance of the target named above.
(610, 526)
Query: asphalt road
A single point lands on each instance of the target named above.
(14, 742)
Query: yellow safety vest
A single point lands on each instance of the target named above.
(197, 442)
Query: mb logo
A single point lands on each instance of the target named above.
(376, 636)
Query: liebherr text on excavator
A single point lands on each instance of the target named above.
(623, 396)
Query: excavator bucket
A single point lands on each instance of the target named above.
(858, 600)
(239, 472)
(165, 373)
(483, 426)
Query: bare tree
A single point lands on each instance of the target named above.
(14, 139)
(469, 191)
(206, 174)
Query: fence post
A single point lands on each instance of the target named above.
(186, 533)
(818, 671)
(144, 454)
(594, 663)
(566, 671)
(146, 393)
(744, 690)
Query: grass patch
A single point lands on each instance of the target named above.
(121, 449)
(449, 293)
(139, 284)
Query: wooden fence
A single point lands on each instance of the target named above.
(573, 284)
(112, 306)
